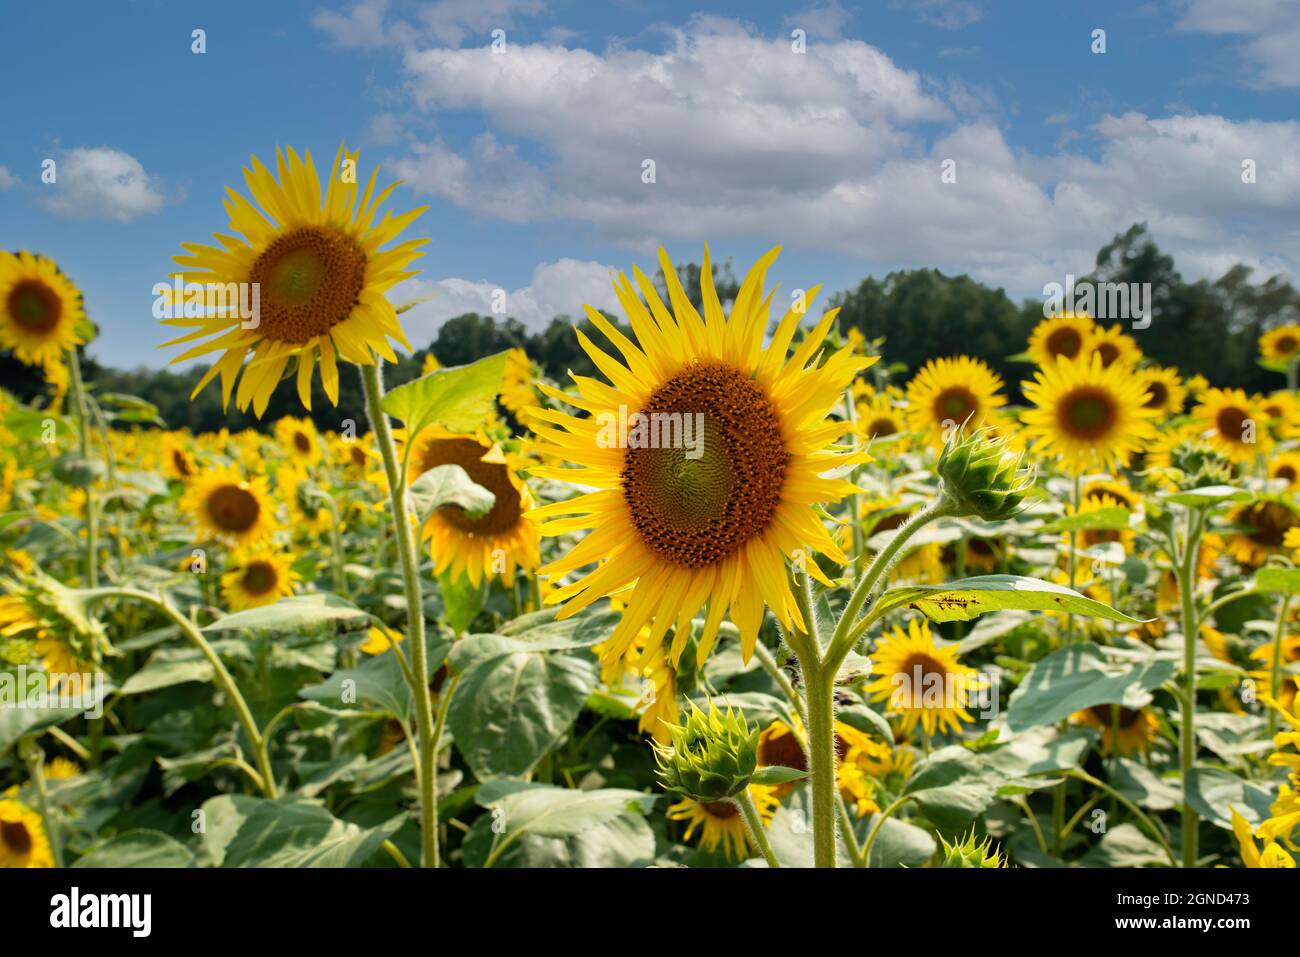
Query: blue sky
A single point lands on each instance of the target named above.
(530, 158)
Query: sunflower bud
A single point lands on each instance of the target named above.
(981, 477)
(710, 757)
(970, 853)
(1198, 464)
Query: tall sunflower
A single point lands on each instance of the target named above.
(40, 310)
(23, 842)
(321, 273)
(922, 682)
(1233, 423)
(494, 544)
(1281, 343)
(1165, 390)
(300, 440)
(1089, 415)
(1063, 335)
(949, 392)
(881, 415)
(229, 507)
(709, 521)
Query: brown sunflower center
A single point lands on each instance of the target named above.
(1231, 423)
(35, 306)
(1270, 522)
(782, 751)
(881, 426)
(1109, 352)
(16, 836)
(1065, 342)
(929, 667)
(1087, 412)
(1127, 716)
(981, 547)
(259, 577)
(182, 463)
(302, 442)
(1286, 471)
(493, 476)
(358, 456)
(309, 280)
(233, 508)
(1157, 395)
(1286, 344)
(955, 404)
(722, 810)
(695, 503)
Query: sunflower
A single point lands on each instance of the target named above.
(1113, 347)
(1137, 727)
(1262, 527)
(860, 760)
(923, 682)
(1289, 681)
(23, 842)
(1286, 467)
(321, 275)
(300, 441)
(259, 576)
(230, 508)
(1121, 492)
(656, 682)
(40, 619)
(40, 310)
(980, 555)
(1092, 537)
(430, 363)
(1230, 421)
(1063, 335)
(492, 544)
(1165, 391)
(720, 822)
(177, 458)
(1283, 412)
(1281, 344)
(713, 519)
(517, 392)
(1089, 415)
(880, 417)
(950, 392)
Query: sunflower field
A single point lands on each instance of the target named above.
(749, 596)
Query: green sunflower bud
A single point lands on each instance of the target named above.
(981, 477)
(969, 853)
(712, 756)
(1197, 465)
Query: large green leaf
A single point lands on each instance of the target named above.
(524, 809)
(242, 831)
(954, 785)
(377, 680)
(458, 398)
(1208, 495)
(15, 722)
(449, 485)
(462, 600)
(971, 597)
(1097, 519)
(1079, 676)
(625, 841)
(1213, 791)
(139, 848)
(510, 709)
(298, 613)
(1284, 581)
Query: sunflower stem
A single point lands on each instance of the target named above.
(35, 758)
(1185, 569)
(820, 701)
(373, 387)
(1275, 677)
(879, 824)
(83, 439)
(754, 824)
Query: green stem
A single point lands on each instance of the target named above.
(1154, 829)
(406, 549)
(1275, 677)
(754, 824)
(83, 438)
(35, 759)
(220, 673)
(1185, 570)
(340, 581)
(820, 683)
(1074, 560)
(879, 823)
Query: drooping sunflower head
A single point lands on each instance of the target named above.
(484, 546)
(1260, 529)
(230, 508)
(1063, 335)
(719, 823)
(42, 315)
(921, 681)
(299, 440)
(1088, 415)
(320, 271)
(1112, 346)
(707, 450)
(41, 619)
(949, 393)
(1165, 391)
(1136, 727)
(1281, 343)
(1233, 422)
(258, 576)
(23, 841)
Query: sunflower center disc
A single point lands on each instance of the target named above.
(301, 442)
(879, 427)
(1087, 413)
(493, 476)
(1127, 716)
(1064, 342)
(1159, 395)
(34, 306)
(723, 810)
(1270, 522)
(259, 577)
(1109, 352)
(955, 405)
(1231, 423)
(1285, 472)
(309, 281)
(1286, 345)
(695, 504)
(233, 509)
(15, 836)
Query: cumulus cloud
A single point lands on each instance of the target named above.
(7, 179)
(557, 288)
(101, 183)
(1270, 32)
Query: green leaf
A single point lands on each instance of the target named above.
(138, 848)
(1283, 581)
(1102, 518)
(510, 709)
(546, 811)
(449, 485)
(297, 613)
(953, 785)
(776, 774)
(626, 841)
(1208, 495)
(1079, 676)
(377, 680)
(243, 831)
(971, 597)
(1212, 791)
(1125, 846)
(458, 398)
(17, 721)
(461, 600)
(1140, 784)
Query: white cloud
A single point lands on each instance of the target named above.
(7, 179)
(1270, 30)
(945, 14)
(557, 288)
(100, 183)
(820, 20)
(366, 24)
(361, 27)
